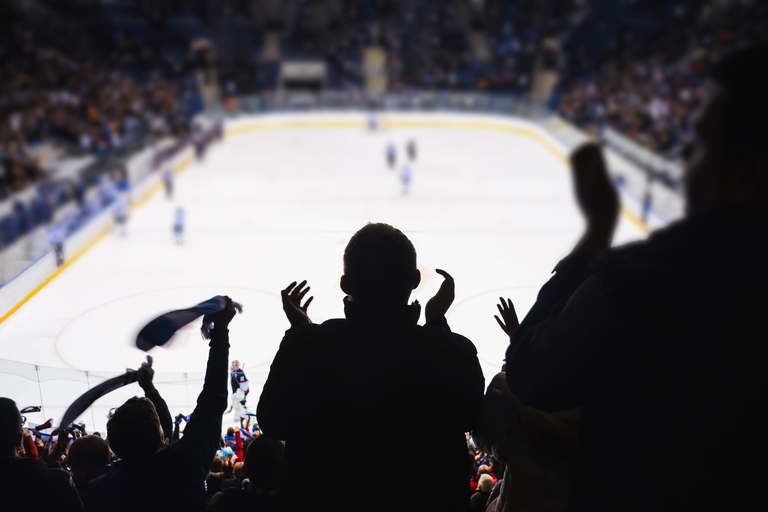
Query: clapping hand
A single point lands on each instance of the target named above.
(439, 304)
(292, 297)
(508, 321)
(596, 196)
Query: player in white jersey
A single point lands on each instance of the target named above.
(405, 178)
(240, 389)
(179, 219)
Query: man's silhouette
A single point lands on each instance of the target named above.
(662, 343)
(361, 400)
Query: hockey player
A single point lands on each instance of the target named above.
(178, 226)
(168, 182)
(411, 149)
(121, 216)
(56, 236)
(239, 389)
(405, 178)
(391, 155)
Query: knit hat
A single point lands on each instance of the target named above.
(485, 483)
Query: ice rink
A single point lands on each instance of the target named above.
(269, 207)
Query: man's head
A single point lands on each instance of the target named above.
(728, 168)
(485, 483)
(88, 458)
(379, 266)
(235, 365)
(265, 462)
(134, 432)
(10, 427)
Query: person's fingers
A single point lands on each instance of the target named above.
(289, 287)
(501, 324)
(286, 299)
(302, 294)
(306, 304)
(443, 273)
(512, 311)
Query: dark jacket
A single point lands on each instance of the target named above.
(663, 345)
(28, 484)
(173, 478)
(361, 400)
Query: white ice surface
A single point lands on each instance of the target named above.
(493, 209)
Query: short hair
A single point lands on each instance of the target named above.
(743, 78)
(134, 430)
(264, 462)
(90, 450)
(485, 483)
(230, 431)
(379, 264)
(10, 425)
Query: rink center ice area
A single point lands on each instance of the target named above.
(490, 201)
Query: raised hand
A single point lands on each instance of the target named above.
(508, 321)
(146, 373)
(222, 318)
(596, 196)
(292, 297)
(439, 304)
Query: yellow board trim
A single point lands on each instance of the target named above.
(357, 124)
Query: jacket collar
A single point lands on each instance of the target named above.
(398, 314)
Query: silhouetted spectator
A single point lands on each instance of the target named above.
(88, 458)
(263, 469)
(345, 391)
(151, 476)
(479, 500)
(662, 343)
(27, 483)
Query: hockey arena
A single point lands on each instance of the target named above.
(490, 201)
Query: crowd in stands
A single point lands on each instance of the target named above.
(428, 43)
(66, 92)
(635, 382)
(649, 87)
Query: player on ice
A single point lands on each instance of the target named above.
(56, 236)
(168, 182)
(178, 226)
(391, 155)
(121, 215)
(405, 178)
(373, 122)
(411, 149)
(239, 389)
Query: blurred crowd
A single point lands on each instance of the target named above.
(66, 94)
(649, 89)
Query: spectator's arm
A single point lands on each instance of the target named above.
(562, 341)
(551, 363)
(146, 377)
(282, 387)
(162, 412)
(203, 430)
(30, 448)
(239, 452)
